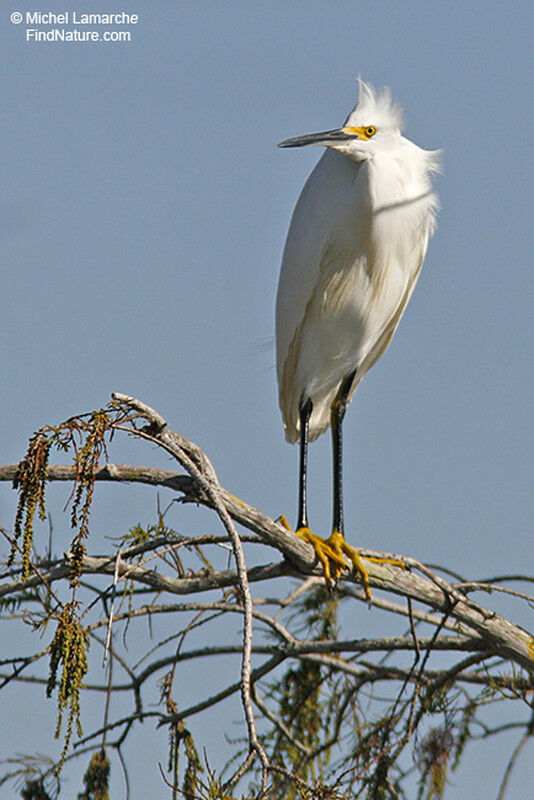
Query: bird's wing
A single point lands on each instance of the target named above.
(315, 216)
(382, 342)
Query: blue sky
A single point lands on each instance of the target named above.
(144, 208)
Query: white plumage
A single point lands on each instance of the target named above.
(355, 246)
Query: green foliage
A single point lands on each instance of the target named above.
(300, 707)
(34, 790)
(305, 695)
(178, 734)
(433, 756)
(193, 767)
(316, 614)
(321, 792)
(30, 482)
(68, 648)
(96, 778)
(140, 534)
(86, 463)
(464, 732)
(85, 435)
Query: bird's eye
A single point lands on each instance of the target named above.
(370, 131)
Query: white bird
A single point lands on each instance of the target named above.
(354, 250)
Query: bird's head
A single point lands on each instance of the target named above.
(374, 124)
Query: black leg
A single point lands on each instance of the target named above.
(339, 406)
(305, 410)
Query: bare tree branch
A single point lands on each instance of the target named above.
(310, 690)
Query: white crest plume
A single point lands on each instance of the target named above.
(375, 108)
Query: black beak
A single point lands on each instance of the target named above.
(325, 138)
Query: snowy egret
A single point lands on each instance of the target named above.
(356, 243)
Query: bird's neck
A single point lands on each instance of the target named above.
(395, 183)
(401, 207)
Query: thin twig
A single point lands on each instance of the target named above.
(511, 764)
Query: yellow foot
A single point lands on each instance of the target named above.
(339, 546)
(333, 549)
(324, 552)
